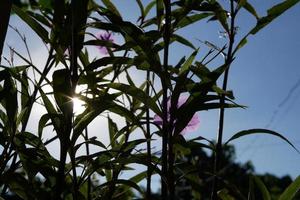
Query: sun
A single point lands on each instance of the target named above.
(78, 106)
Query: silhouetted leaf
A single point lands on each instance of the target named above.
(149, 7)
(247, 6)
(111, 7)
(112, 130)
(19, 185)
(223, 194)
(42, 123)
(129, 183)
(182, 40)
(62, 90)
(51, 111)
(291, 190)
(141, 7)
(38, 29)
(188, 20)
(273, 13)
(138, 94)
(260, 131)
(185, 67)
(261, 186)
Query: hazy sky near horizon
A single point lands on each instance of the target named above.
(265, 76)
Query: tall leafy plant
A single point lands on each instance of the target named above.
(154, 107)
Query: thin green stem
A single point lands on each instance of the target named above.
(89, 183)
(165, 125)
(228, 61)
(5, 7)
(148, 137)
(29, 106)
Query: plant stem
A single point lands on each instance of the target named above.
(165, 125)
(219, 148)
(148, 137)
(5, 7)
(74, 78)
(29, 105)
(89, 176)
(60, 179)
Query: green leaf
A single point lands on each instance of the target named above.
(183, 41)
(83, 120)
(221, 15)
(129, 183)
(51, 111)
(124, 112)
(42, 123)
(291, 190)
(188, 20)
(103, 62)
(22, 115)
(111, 7)
(24, 89)
(11, 102)
(45, 4)
(19, 185)
(139, 177)
(112, 129)
(40, 18)
(95, 108)
(92, 141)
(159, 12)
(185, 67)
(273, 13)
(223, 194)
(259, 131)
(149, 7)
(263, 189)
(62, 89)
(38, 29)
(241, 44)
(281, 7)
(138, 94)
(247, 6)
(142, 10)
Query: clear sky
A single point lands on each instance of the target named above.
(265, 76)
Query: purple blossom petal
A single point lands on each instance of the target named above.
(157, 120)
(191, 126)
(104, 36)
(181, 101)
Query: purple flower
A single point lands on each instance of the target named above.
(191, 126)
(104, 36)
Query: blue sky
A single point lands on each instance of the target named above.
(263, 74)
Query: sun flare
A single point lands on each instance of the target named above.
(78, 106)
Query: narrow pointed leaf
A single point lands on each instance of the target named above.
(183, 41)
(188, 20)
(185, 67)
(291, 190)
(149, 7)
(273, 13)
(111, 7)
(263, 189)
(38, 28)
(223, 194)
(260, 131)
(138, 94)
